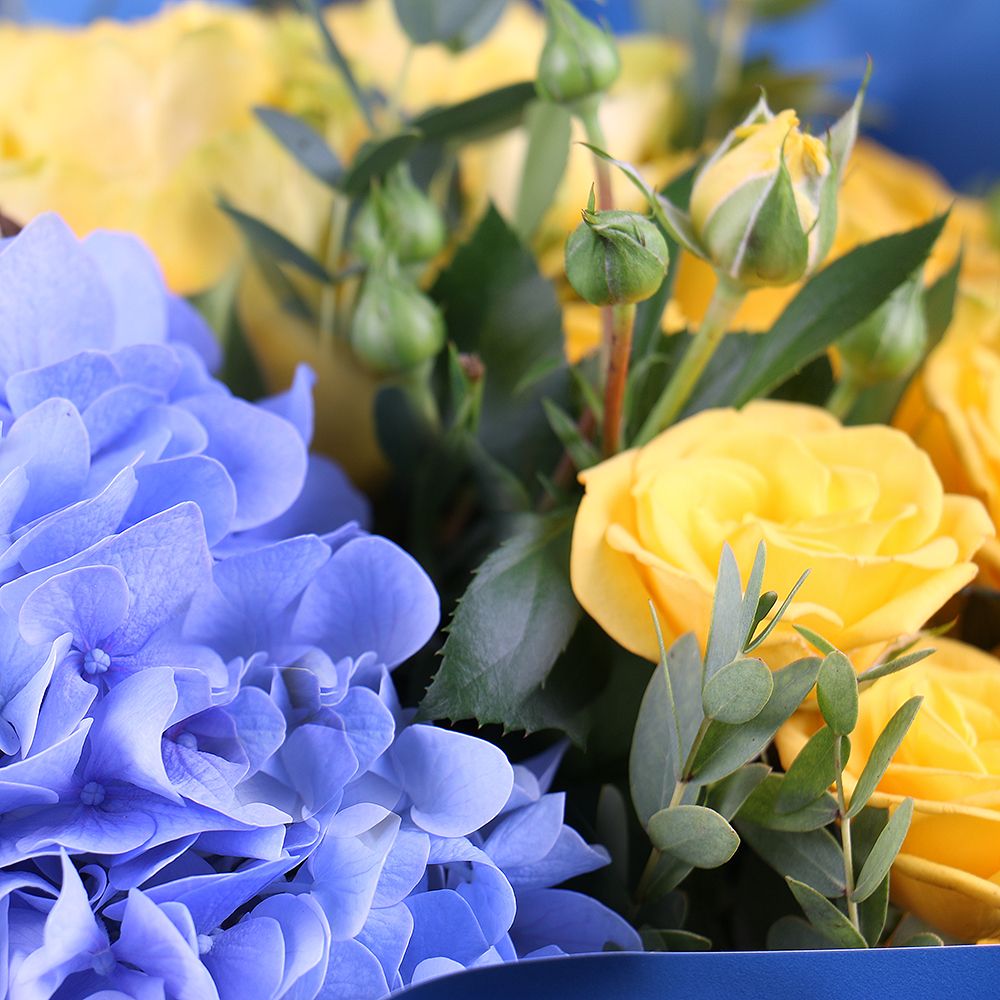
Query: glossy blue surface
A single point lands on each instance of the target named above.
(886, 973)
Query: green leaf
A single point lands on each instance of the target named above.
(499, 307)
(304, 143)
(877, 404)
(582, 451)
(882, 753)
(811, 773)
(873, 911)
(548, 127)
(828, 305)
(837, 693)
(825, 917)
(726, 632)
(751, 614)
(892, 666)
(738, 691)
(376, 158)
(815, 639)
(795, 934)
(611, 830)
(890, 840)
(655, 757)
(510, 626)
(777, 616)
(813, 856)
(334, 54)
(925, 939)
(725, 748)
(727, 796)
(761, 809)
(456, 24)
(696, 835)
(479, 117)
(271, 243)
(654, 939)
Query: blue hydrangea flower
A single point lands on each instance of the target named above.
(208, 787)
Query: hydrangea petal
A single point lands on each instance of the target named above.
(457, 783)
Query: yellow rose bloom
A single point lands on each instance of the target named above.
(860, 507)
(952, 410)
(882, 193)
(142, 126)
(948, 871)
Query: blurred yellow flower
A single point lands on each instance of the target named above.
(948, 872)
(952, 410)
(860, 507)
(141, 126)
(882, 193)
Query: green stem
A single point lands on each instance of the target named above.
(623, 318)
(845, 837)
(725, 301)
(331, 258)
(845, 394)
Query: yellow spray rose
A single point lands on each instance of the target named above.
(882, 193)
(952, 410)
(861, 507)
(948, 872)
(142, 126)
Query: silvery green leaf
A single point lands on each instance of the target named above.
(795, 934)
(727, 796)
(777, 616)
(882, 753)
(873, 911)
(925, 939)
(738, 691)
(694, 834)
(654, 939)
(725, 747)
(815, 639)
(837, 693)
(761, 809)
(657, 756)
(725, 634)
(892, 666)
(814, 856)
(882, 855)
(825, 917)
(811, 773)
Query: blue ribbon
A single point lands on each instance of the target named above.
(952, 973)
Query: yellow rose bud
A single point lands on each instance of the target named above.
(761, 207)
(948, 871)
(952, 410)
(860, 507)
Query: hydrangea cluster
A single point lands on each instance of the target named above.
(208, 788)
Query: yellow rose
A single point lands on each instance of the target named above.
(948, 872)
(952, 410)
(861, 507)
(882, 193)
(141, 126)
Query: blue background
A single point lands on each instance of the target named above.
(935, 94)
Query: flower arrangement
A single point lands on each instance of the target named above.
(673, 405)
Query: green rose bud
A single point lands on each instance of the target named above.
(579, 58)
(399, 219)
(614, 258)
(891, 342)
(395, 326)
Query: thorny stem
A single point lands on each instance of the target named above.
(623, 318)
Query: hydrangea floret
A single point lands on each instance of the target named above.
(208, 786)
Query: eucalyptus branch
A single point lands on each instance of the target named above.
(845, 835)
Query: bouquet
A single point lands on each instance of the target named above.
(671, 409)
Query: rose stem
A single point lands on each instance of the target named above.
(725, 301)
(623, 318)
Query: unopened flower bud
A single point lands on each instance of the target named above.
(891, 342)
(578, 60)
(399, 219)
(395, 326)
(614, 258)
